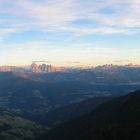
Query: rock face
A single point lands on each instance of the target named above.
(44, 68)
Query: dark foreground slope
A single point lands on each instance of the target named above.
(118, 119)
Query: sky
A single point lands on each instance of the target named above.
(70, 32)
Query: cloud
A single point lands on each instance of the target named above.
(26, 46)
(73, 16)
(6, 31)
(122, 61)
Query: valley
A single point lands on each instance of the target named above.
(46, 100)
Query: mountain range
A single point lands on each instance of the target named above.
(48, 102)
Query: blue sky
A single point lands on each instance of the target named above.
(70, 32)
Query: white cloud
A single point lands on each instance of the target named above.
(27, 46)
(5, 31)
(103, 16)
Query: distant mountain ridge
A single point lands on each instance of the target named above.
(34, 68)
(12, 68)
(48, 68)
